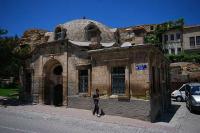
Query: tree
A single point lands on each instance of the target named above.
(188, 57)
(3, 32)
(9, 66)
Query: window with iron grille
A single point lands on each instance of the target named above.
(83, 81)
(178, 36)
(172, 37)
(172, 51)
(165, 38)
(192, 41)
(118, 80)
(179, 50)
(197, 40)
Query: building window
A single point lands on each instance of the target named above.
(197, 40)
(172, 51)
(172, 37)
(83, 81)
(152, 27)
(179, 50)
(178, 36)
(192, 41)
(166, 51)
(118, 80)
(165, 38)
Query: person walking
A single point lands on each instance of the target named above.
(96, 103)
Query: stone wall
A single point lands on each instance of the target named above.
(100, 79)
(136, 81)
(33, 37)
(160, 87)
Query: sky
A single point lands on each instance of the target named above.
(19, 15)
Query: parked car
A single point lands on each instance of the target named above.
(192, 96)
(179, 95)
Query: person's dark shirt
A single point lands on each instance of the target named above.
(96, 98)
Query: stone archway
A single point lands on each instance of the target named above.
(53, 83)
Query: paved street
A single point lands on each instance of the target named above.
(49, 119)
(185, 121)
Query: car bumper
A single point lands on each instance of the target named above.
(196, 107)
(173, 97)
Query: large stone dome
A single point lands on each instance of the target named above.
(75, 30)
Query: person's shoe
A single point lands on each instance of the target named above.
(98, 115)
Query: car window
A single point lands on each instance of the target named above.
(195, 90)
(183, 88)
(187, 88)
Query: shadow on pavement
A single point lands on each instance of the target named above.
(12, 102)
(167, 116)
(196, 112)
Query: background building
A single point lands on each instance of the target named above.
(191, 38)
(172, 41)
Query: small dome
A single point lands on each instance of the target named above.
(76, 30)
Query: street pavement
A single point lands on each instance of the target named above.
(50, 119)
(185, 121)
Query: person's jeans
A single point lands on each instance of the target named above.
(96, 109)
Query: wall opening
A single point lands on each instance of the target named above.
(58, 95)
(58, 70)
(83, 81)
(92, 33)
(53, 80)
(118, 80)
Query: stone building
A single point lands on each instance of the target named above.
(176, 41)
(83, 55)
(191, 38)
(133, 35)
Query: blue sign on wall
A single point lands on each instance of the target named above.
(141, 66)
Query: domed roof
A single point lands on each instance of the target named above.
(75, 30)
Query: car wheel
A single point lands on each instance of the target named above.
(190, 108)
(178, 99)
(187, 104)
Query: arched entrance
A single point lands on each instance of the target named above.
(53, 83)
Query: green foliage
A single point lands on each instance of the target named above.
(185, 57)
(10, 64)
(11, 55)
(3, 32)
(151, 38)
(156, 36)
(22, 51)
(9, 92)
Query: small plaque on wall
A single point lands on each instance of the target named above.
(140, 67)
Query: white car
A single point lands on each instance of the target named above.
(179, 94)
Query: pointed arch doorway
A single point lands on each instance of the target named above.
(53, 83)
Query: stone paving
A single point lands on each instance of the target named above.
(51, 112)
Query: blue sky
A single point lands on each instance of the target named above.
(18, 15)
